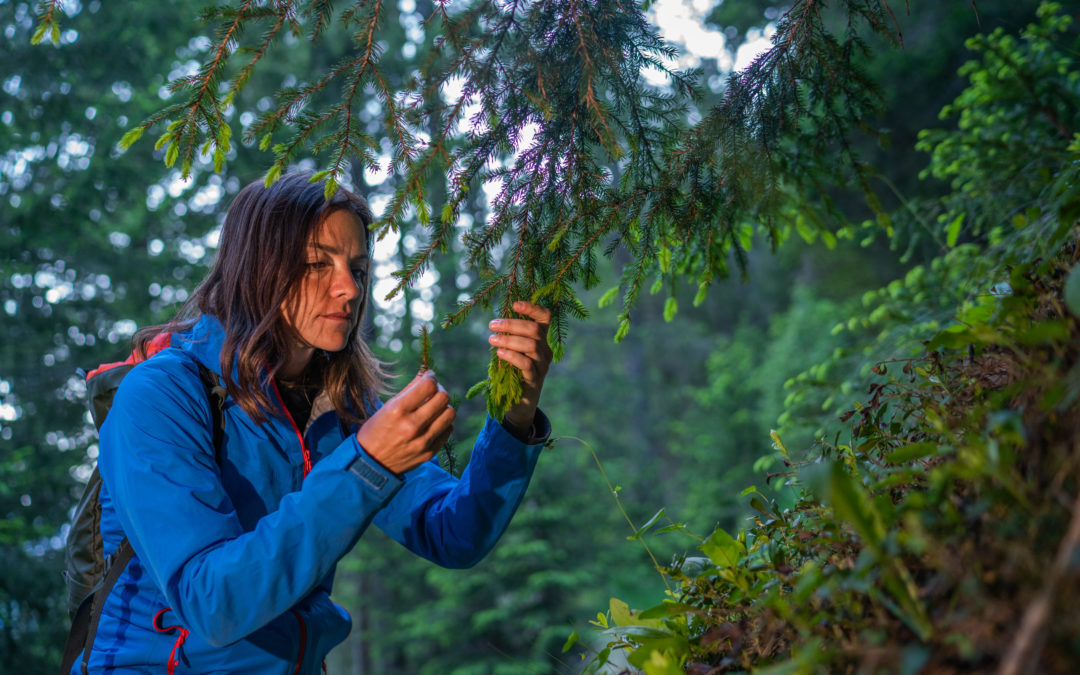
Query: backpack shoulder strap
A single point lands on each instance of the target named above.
(215, 396)
(89, 614)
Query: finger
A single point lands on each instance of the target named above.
(535, 312)
(523, 363)
(522, 327)
(443, 424)
(438, 442)
(422, 388)
(432, 408)
(530, 347)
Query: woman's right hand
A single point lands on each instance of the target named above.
(411, 427)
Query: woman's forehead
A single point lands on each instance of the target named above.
(341, 231)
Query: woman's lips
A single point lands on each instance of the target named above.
(337, 317)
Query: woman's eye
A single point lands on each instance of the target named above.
(317, 265)
(360, 274)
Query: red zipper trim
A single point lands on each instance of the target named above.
(170, 665)
(299, 436)
(303, 640)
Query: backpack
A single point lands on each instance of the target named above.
(89, 574)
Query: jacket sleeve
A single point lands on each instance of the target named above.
(456, 522)
(157, 462)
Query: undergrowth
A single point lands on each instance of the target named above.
(936, 527)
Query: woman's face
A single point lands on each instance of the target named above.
(324, 306)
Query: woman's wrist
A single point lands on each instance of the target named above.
(520, 429)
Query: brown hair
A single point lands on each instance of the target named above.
(259, 263)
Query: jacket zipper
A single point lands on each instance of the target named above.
(307, 470)
(296, 429)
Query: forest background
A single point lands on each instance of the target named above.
(97, 242)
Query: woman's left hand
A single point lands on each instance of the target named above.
(523, 343)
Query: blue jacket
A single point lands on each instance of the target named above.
(235, 555)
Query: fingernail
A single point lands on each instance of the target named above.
(493, 339)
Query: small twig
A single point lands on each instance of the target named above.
(1023, 656)
(618, 503)
(899, 33)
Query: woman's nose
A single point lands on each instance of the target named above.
(346, 285)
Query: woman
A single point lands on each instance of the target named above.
(235, 546)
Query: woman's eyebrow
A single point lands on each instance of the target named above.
(333, 250)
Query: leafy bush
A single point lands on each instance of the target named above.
(937, 525)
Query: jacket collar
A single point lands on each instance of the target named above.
(204, 342)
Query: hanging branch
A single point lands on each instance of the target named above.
(613, 162)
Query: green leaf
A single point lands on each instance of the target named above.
(265, 141)
(557, 351)
(671, 307)
(760, 506)
(608, 297)
(667, 609)
(722, 549)
(746, 236)
(702, 291)
(172, 153)
(623, 616)
(330, 189)
(128, 139)
(504, 389)
(622, 330)
(953, 232)
(660, 656)
(913, 451)
(542, 292)
(423, 211)
(570, 641)
(1043, 332)
(849, 501)
(272, 174)
(645, 528)
(663, 257)
(476, 389)
(39, 34)
(1072, 290)
(677, 527)
(805, 231)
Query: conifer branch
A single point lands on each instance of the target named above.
(267, 39)
(321, 12)
(613, 162)
(197, 107)
(47, 27)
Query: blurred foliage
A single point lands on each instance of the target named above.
(937, 521)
